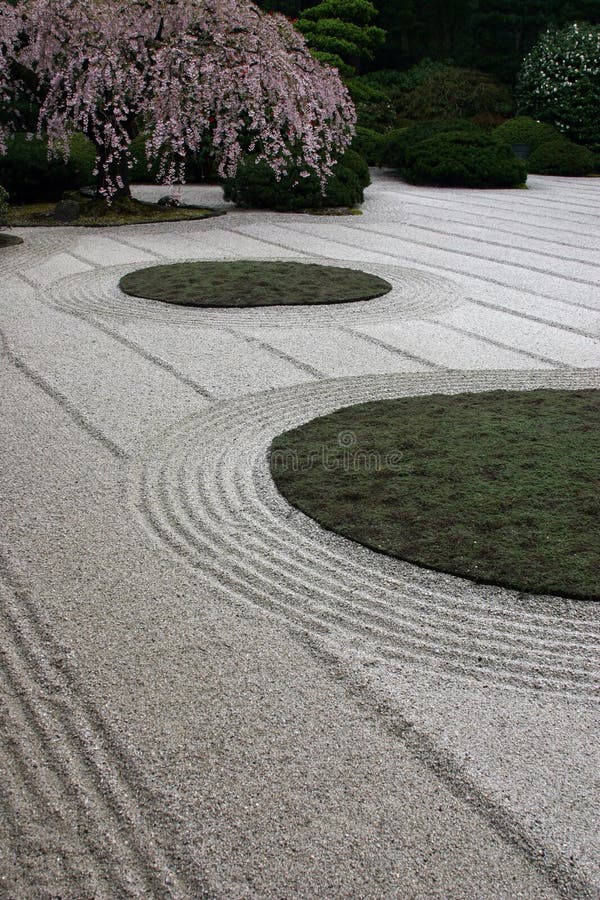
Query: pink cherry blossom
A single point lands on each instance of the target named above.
(180, 71)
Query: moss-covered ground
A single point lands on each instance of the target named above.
(500, 487)
(252, 283)
(94, 213)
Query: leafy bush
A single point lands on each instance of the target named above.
(255, 185)
(463, 159)
(561, 157)
(3, 205)
(525, 130)
(141, 172)
(559, 82)
(374, 106)
(369, 144)
(30, 176)
(380, 97)
(198, 166)
(83, 157)
(452, 92)
(357, 164)
(399, 141)
(394, 80)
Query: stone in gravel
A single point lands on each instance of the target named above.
(66, 210)
(168, 201)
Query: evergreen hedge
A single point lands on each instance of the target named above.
(463, 159)
(255, 185)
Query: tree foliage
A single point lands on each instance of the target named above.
(180, 70)
(491, 35)
(559, 82)
(340, 33)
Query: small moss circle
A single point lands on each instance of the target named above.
(10, 240)
(500, 487)
(241, 283)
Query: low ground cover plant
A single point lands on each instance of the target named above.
(96, 213)
(500, 487)
(243, 283)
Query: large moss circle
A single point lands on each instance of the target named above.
(242, 283)
(500, 487)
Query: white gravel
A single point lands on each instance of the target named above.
(202, 693)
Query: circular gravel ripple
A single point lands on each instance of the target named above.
(413, 294)
(37, 244)
(204, 490)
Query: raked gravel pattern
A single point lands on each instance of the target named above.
(203, 692)
(204, 488)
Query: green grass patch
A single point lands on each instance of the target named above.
(252, 283)
(10, 240)
(95, 213)
(500, 487)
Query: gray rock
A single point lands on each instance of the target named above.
(66, 210)
(168, 201)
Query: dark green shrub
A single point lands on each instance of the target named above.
(374, 106)
(3, 205)
(357, 164)
(525, 130)
(463, 159)
(395, 80)
(451, 92)
(369, 144)
(199, 166)
(141, 172)
(29, 175)
(394, 146)
(561, 157)
(255, 185)
(398, 142)
(83, 157)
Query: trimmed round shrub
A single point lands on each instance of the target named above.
(357, 164)
(561, 157)
(398, 142)
(374, 106)
(559, 82)
(463, 159)
(29, 176)
(525, 130)
(369, 144)
(255, 185)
